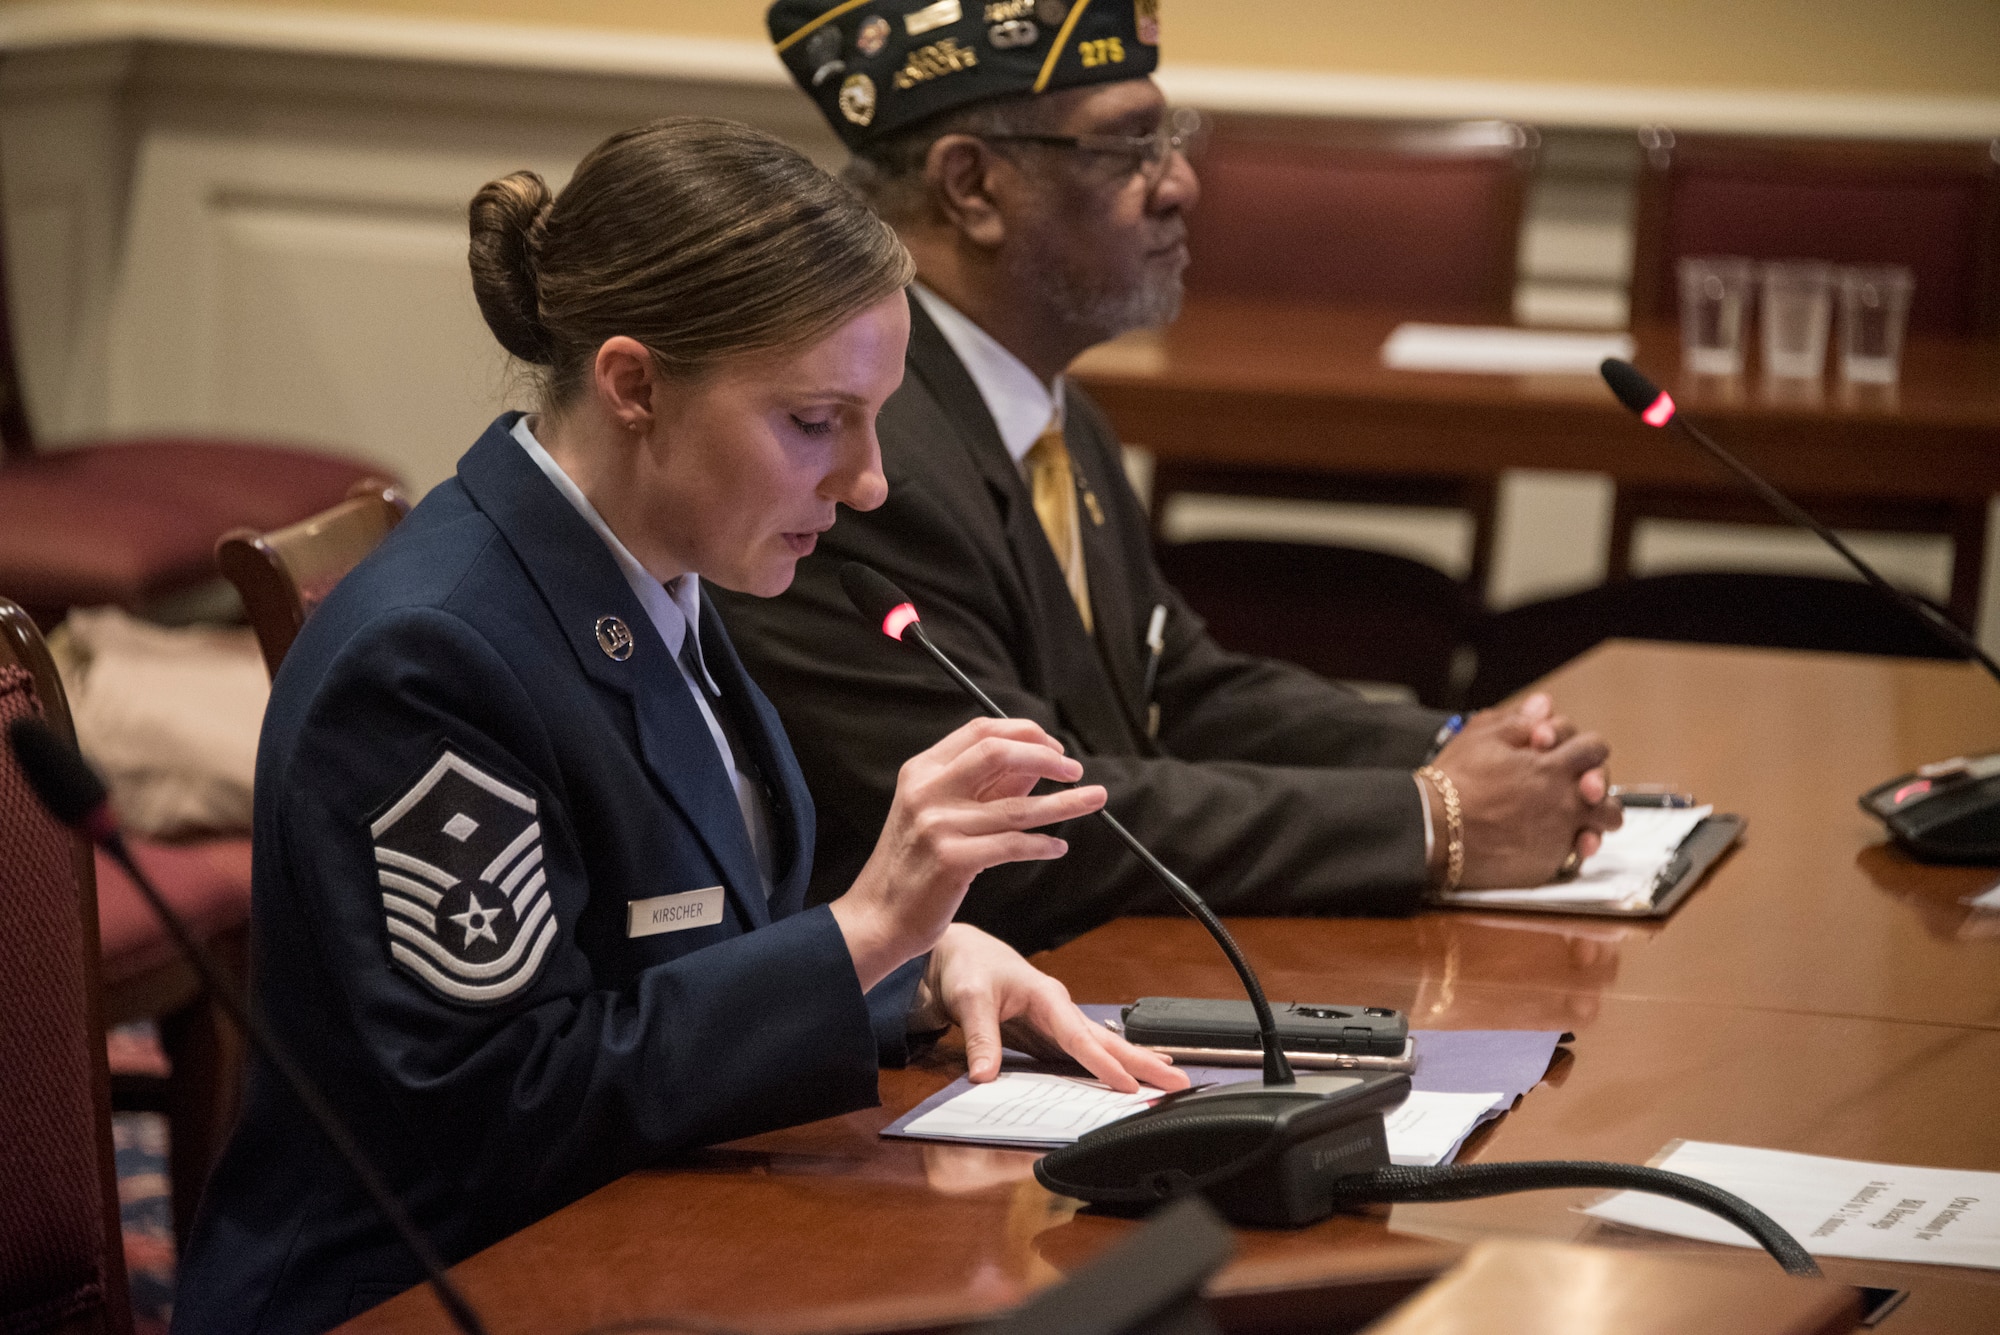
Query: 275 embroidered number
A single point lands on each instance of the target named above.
(1103, 51)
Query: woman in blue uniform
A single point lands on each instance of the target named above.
(531, 849)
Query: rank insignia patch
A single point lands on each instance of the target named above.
(464, 894)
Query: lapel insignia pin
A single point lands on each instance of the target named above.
(614, 639)
(1096, 510)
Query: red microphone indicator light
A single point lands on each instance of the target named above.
(1654, 405)
(900, 618)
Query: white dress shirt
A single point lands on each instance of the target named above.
(675, 611)
(1022, 406)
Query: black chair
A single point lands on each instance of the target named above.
(1342, 612)
(1768, 611)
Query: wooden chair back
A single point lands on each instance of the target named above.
(1425, 216)
(286, 573)
(62, 1261)
(1932, 206)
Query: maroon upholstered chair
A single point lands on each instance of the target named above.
(1425, 217)
(62, 1264)
(1932, 206)
(1422, 218)
(138, 974)
(128, 521)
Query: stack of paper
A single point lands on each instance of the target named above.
(1500, 350)
(1022, 1109)
(1834, 1207)
(1620, 874)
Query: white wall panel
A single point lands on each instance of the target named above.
(359, 321)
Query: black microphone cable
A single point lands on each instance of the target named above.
(1464, 1182)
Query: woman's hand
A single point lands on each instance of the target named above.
(995, 996)
(960, 807)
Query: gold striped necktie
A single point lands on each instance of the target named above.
(1053, 483)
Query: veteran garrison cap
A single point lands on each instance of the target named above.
(876, 66)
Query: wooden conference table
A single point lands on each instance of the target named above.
(1300, 390)
(1820, 994)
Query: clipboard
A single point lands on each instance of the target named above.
(1690, 863)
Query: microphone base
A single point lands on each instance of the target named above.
(1262, 1155)
(1944, 812)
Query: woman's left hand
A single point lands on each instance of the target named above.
(984, 986)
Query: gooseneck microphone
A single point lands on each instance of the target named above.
(1290, 1151)
(74, 794)
(888, 606)
(1655, 407)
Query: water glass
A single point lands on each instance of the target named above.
(1874, 309)
(1715, 304)
(1797, 315)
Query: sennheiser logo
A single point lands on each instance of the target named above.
(1336, 1155)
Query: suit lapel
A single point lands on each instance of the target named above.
(1073, 671)
(1119, 624)
(581, 584)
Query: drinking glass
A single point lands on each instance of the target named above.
(1874, 309)
(1715, 304)
(1798, 312)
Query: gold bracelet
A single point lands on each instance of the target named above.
(1454, 825)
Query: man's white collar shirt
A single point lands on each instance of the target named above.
(1022, 406)
(675, 611)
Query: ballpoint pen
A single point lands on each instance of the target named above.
(1156, 645)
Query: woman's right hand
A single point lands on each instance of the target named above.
(962, 806)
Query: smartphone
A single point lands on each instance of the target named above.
(1194, 1022)
(1406, 1060)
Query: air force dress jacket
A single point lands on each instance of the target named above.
(482, 819)
(1268, 788)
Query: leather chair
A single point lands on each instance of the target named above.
(62, 1263)
(283, 575)
(1932, 206)
(1424, 218)
(1771, 611)
(140, 974)
(1342, 612)
(130, 521)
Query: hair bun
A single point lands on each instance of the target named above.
(507, 219)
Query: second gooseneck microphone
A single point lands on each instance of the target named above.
(1656, 408)
(890, 608)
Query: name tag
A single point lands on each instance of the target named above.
(674, 913)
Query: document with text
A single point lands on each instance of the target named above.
(1023, 1108)
(1834, 1207)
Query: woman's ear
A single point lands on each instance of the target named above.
(627, 381)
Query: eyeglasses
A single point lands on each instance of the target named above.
(1179, 131)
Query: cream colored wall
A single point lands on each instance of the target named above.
(1936, 47)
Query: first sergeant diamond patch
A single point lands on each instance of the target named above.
(464, 895)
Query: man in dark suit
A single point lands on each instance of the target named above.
(1033, 170)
